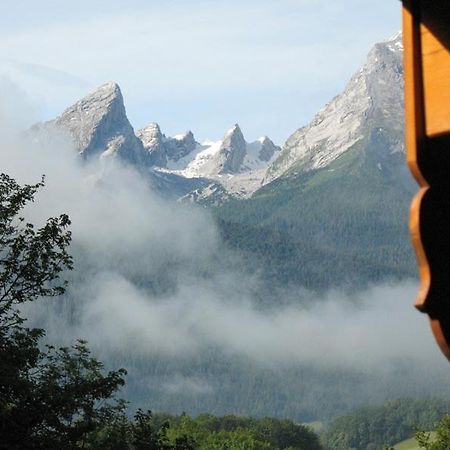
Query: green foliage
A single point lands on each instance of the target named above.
(31, 260)
(372, 427)
(437, 440)
(236, 432)
(141, 433)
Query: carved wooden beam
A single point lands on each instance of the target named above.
(426, 39)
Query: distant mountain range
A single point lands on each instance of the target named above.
(100, 128)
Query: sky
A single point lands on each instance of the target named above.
(193, 64)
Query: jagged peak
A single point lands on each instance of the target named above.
(109, 90)
(151, 136)
(96, 103)
(182, 136)
(390, 49)
(98, 125)
(398, 36)
(109, 86)
(373, 95)
(151, 127)
(234, 129)
(265, 140)
(233, 135)
(394, 43)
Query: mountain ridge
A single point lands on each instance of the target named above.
(232, 167)
(374, 93)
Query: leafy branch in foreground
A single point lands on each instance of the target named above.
(439, 439)
(31, 259)
(49, 398)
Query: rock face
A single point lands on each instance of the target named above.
(268, 149)
(230, 156)
(180, 146)
(372, 98)
(161, 149)
(232, 151)
(370, 110)
(99, 126)
(232, 162)
(153, 142)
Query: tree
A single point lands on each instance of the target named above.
(49, 398)
(437, 440)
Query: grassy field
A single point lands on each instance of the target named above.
(316, 426)
(409, 444)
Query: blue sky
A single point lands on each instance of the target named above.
(202, 65)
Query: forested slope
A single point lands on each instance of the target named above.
(340, 225)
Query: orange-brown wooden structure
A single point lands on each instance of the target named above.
(426, 38)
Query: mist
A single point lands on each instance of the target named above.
(154, 282)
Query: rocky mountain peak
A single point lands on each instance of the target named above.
(268, 149)
(233, 150)
(108, 91)
(186, 136)
(98, 125)
(181, 145)
(153, 141)
(235, 129)
(151, 136)
(373, 97)
(383, 74)
(163, 149)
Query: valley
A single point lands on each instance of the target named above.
(241, 278)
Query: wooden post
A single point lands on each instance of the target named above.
(426, 39)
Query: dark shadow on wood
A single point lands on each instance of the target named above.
(435, 15)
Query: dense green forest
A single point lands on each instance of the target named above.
(227, 384)
(370, 428)
(436, 439)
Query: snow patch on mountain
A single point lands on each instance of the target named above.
(237, 165)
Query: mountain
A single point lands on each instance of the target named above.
(182, 154)
(372, 98)
(99, 129)
(231, 154)
(99, 126)
(235, 167)
(334, 207)
(165, 150)
(178, 167)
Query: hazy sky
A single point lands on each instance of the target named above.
(193, 64)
